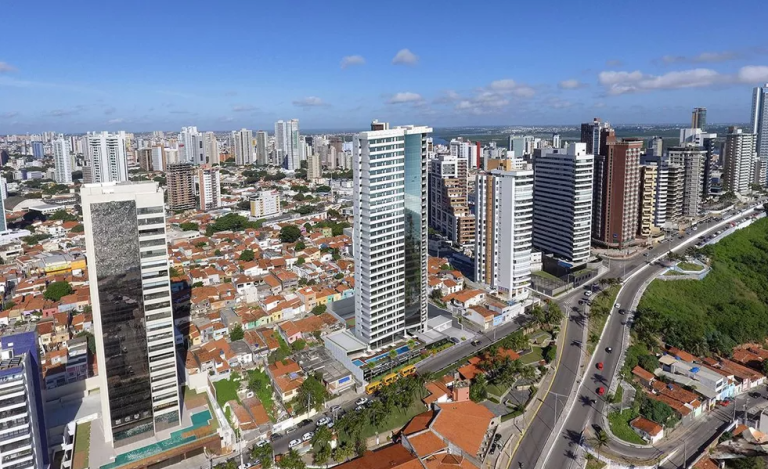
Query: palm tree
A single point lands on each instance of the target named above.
(601, 439)
(378, 413)
(322, 436)
(343, 452)
(323, 454)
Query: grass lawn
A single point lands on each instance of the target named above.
(263, 390)
(82, 446)
(619, 395)
(619, 423)
(497, 390)
(226, 390)
(533, 357)
(594, 464)
(673, 273)
(396, 419)
(690, 266)
(602, 302)
(540, 337)
(545, 275)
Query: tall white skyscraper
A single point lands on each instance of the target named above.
(209, 185)
(738, 160)
(158, 158)
(105, 157)
(211, 148)
(503, 230)
(131, 300)
(562, 215)
(62, 160)
(759, 123)
(288, 143)
(242, 142)
(262, 147)
(692, 159)
(191, 146)
(390, 232)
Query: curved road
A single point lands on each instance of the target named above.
(536, 433)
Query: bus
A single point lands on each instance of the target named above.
(409, 370)
(389, 379)
(373, 387)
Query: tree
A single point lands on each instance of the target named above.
(754, 462)
(189, 226)
(291, 460)
(538, 314)
(765, 367)
(91, 341)
(478, 389)
(62, 215)
(361, 447)
(554, 314)
(77, 228)
(300, 261)
(601, 439)
(247, 255)
(312, 391)
(437, 294)
(217, 253)
(236, 333)
(173, 272)
(298, 345)
(300, 246)
(290, 234)
(263, 454)
(550, 352)
(57, 290)
(319, 309)
(197, 284)
(323, 454)
(343, 452)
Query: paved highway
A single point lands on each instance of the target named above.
(539, 430)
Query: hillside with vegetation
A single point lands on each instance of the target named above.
(729, 306)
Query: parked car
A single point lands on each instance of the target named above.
(308, 436)
(335, 409)
(295, 442)
(587, 293)
(275, 436)
(323, 421)
(622, 311)
(359, 408)
(496, 437)
(304, 423)
(475, 342)
(362, 401)
(262, 443)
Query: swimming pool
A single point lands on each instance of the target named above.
(400, 350)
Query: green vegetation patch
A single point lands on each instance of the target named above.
(535, 356)
(619, 422)
(226, 390)
(690, 266)
(599, 311)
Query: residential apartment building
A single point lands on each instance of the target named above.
(211, 148)
(266, 204)
(390, 232)
(62, 160)
(131, 301)
(262, 148)
(619, 176)
(699, 118)
(314, 170)
(180, 181)
(693, 160)
(675, 192)
(504, 230)
(192, 146)
(738, 160)
(209, 188)
(759, 123)
(242, 143)
(145, 158)
(562, 215)
(287, 144)
(105, 157)
(158, 158)
(465, 149)
(448, 207)
(647, 214)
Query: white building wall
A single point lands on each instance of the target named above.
(62, 160)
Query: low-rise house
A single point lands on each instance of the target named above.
(286, 378)
(648, 430)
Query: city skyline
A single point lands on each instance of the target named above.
(339, 74)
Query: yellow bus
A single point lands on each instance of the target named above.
(373, 387)
(389, 379)
(409, 370)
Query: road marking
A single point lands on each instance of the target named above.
(541, 401)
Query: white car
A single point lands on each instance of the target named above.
(308, 436)
(293, 443)
(323, 421)
(330, 425)
(587, 293)
(262, 443)
(361, 401)
(618, 306)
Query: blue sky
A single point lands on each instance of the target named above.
(88, 65)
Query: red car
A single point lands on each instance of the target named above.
(600, 391)
(724, 403)
(600, 365)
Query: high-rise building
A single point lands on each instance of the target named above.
(759, 124)
(448, 205)
(661, 163)
(699, 118)
(262, 148)
(738, 161)
(211, 148)
(266, 204)
(594, 134)
(23, 441)
(692, 159)
(192, 146)
(158, 158)
(620, 177)
(288, 143)
(675, 192)
(180, 180)
(105, 157)
(132, 317)
(556, 141)
(145, 159)
(655, 146)
(646, 214)
(521, 146)
(390, 232)
(314, 170)
(209, 188)
(562, 215)
(504, 210)
(242, 142)
(62, 160)
(38, 150)
(465, 149)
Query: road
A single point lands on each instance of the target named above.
(539, 430)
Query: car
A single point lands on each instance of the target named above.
(599, 365)
(581, 302)
(307, 436)
(295, 442)
(496, 437)
(291, 429)
(455, 340)
(622, 311)
(645, 254)
(618, 305)
(724, 403)
(362, 401)
(359, 408)
(275, 436)
(493, 449)
(262, 443)
(475, 342)
(335, 409)
(600, 391)
(323, 421)
(587, 293)
(608, 349)
(304, 423)
(330, 425)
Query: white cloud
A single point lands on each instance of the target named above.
(510, 86)
(571, 84)
(351, 60)
(243, 108)
(704, 57)
(62, 112)
(405, 57)
(119, 120)
(5, 67)
(309, 101)
(405, 97)
(636, 82)
(753, 74)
